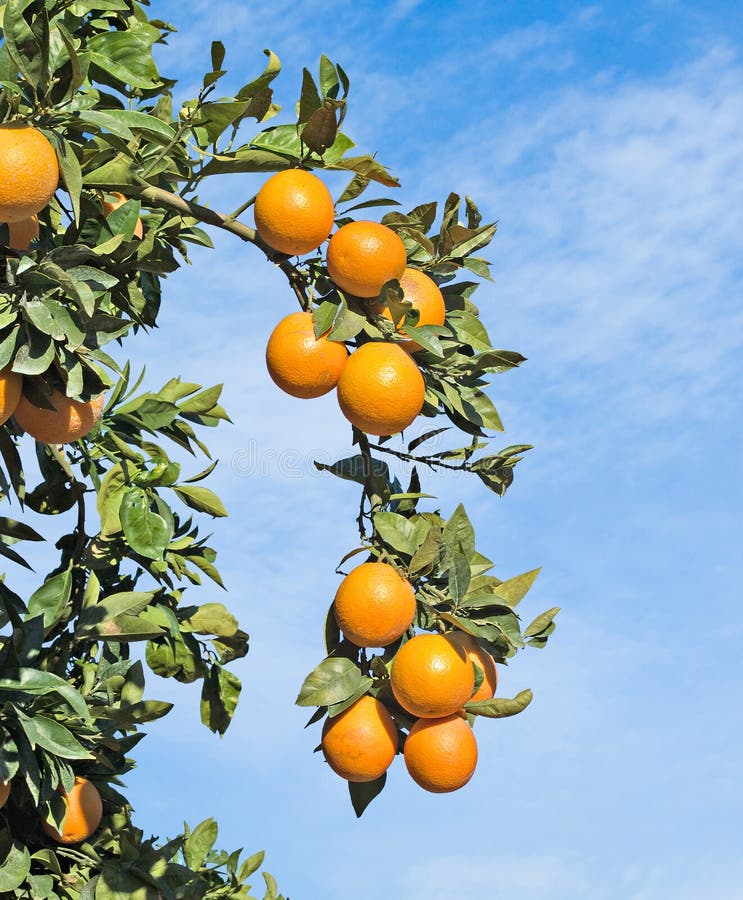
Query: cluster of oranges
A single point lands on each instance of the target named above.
(381, 391)
(29, 176)
(432, 676)
(379, 387)
(84, 811)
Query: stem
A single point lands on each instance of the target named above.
(430, 461)
(159, 197)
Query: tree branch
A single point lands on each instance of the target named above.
(159, 197)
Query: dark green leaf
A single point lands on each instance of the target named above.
(51, 599)
(362, 793)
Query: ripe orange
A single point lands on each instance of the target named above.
(381, 389)
(374, 605)
(29, 173)
(301, 364)
(294, 212)
(425, 296)
(84, 814)
(67, 422)
(360, 743)
(362, 256)
(4, 792)
(11, 385)
(441, 754)
(119, 200)
(431, 676)
(483, 660)
(21, 233)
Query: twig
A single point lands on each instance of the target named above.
(159, 197)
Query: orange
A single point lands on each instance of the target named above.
(483, 660)
(21, 233)
(293, 212)
(67, 422)
(441, 754)
(360, 743)
(380, 389)
(29, 173)
(11, 385)
(4, 792)
(431, 676)
(362, 256)
(374, 605)
(119, 200)
(301, 364)
(84, 814)
(424, 294)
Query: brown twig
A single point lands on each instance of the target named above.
(159, 197)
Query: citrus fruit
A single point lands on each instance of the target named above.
(119, 200)
(84, 813)
(483, 660)
(67, 422)
(360, 743)
(431, 676)
(374, 605)
(380, 390)
(294, 212)
(362, 256)
(4, 792)
(11, 385)
(301, 364)
(424, 295)
(441, 754)
(29, 173)
(21, 233)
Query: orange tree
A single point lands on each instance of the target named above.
(99, 181)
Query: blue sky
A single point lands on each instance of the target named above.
(607, 141)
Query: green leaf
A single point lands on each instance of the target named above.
(18, 531)
(126, 56)
(219, 695)
(362, 793)
(515, 589)
(199, 843)
(542, 622)
(69, 167)
(110, 494)
(459, 533)
(146, 532)
(212, 618)
(38, 683)
(368, 168)
(355, 468)
(250, 866)
(116, 617)
(500, 707)
(334, 680)
(397, 532)
(52, 736)
(459, 575)
(15, 865)
(202, 499)
(51, 599)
